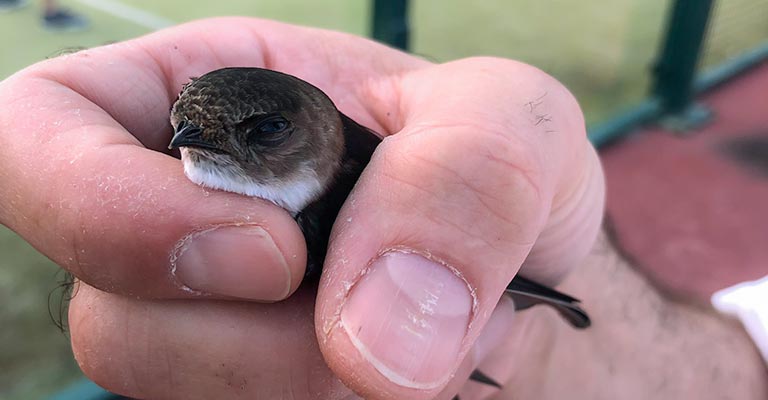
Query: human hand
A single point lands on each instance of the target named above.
(489, 161)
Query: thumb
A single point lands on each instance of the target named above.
(443, 218)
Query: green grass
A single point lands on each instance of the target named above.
(601, 50)
(34, 355)
(23, 41)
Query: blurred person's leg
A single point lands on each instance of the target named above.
(56, 18)
(11, 5)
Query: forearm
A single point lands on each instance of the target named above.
(641, 345)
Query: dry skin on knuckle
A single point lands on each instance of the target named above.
(53, 140)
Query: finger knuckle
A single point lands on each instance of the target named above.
(475, 180)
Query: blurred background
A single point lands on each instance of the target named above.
(685, 79)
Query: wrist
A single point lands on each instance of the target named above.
(641, 344)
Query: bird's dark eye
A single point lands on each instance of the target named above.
(268, 131)
(274, 125)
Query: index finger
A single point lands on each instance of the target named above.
(81, 182)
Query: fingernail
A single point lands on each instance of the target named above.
(408, 317)
(236, 261)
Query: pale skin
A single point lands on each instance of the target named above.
(487, 170)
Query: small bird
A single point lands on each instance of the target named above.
(271, 135)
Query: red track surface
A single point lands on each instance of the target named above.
(695, 219)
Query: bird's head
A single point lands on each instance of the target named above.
(259, 133)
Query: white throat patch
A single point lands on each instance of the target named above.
(293, 195)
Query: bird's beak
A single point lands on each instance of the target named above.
(188, 134)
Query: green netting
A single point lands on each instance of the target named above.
(736, 26)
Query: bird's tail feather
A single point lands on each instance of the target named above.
(527, 293)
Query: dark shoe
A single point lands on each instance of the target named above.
(11, 5)
(65, 21)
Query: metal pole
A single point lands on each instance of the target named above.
(390, 22)
(676, 67)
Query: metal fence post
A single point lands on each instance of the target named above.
(675, 69)
(390, 22)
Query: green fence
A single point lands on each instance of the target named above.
(706, 42)
(701, 44)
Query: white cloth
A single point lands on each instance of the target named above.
(747, 301)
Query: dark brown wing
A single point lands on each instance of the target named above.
(317, 219)
(360, 141)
